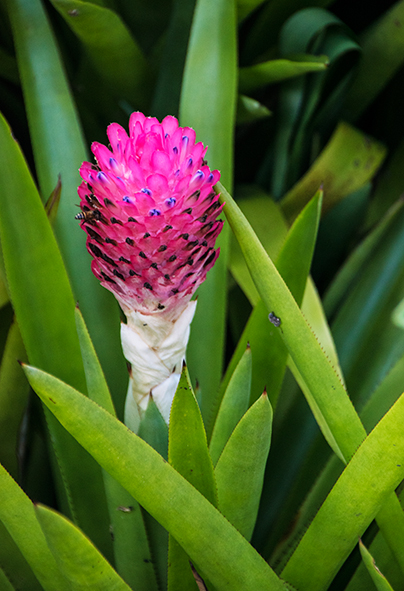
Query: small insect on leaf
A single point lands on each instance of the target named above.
(274, 319)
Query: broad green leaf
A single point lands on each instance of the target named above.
(14, 392)
(241, 467)
(131, 549)
(44, 308)
(349, 160)
(59, 149)
(366, 484)
(188, 453)
(383, 54)
(253, 77)
(381, 583)
(228, 560)
(233, 406)
(18, 515)
(208, 104)
(268, 222)
(180, 575)
(312, 309)
(83, 566)
(120, 61)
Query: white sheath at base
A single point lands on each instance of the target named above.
(155, 347)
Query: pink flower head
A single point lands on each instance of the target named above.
(149, 209)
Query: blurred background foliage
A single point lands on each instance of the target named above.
(290, 96)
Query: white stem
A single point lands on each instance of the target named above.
(155, 348)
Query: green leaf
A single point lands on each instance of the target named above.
(365, 314)
(4, 299)
(44, 308)
(361, 581)
(254, 77)
(365, 485)
(244, 7)
(208, 104)
(52, 204)
(307, 106)
(241, 467)
(349, 161)
(268, 222)
(131, 548)
(383, 54)
(187, 445)
(249, 110)
(264, 32)
(321, 379)
(268, 352)
(168, 86)
(58, 148)
(388, 187)
(234, 404)
(5, 584)
(173, 501)
(346, 277)
(14, 392)
(153, 429)
(96, 385)
(119, 62)
(381, 583)
(188, 453)
(15, 565)
(78, 559)
(18, 515)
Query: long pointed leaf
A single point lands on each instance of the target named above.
(245, 454)
(365, 485)
(18, 515)
(81, 563)
(44, 307)
(227, 560)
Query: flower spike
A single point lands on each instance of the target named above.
(150, 212)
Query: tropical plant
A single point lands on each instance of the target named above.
(262, 473)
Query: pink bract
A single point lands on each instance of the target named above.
(149, 209)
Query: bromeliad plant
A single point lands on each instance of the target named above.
(250, 467)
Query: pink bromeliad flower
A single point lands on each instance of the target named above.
(149, 209)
